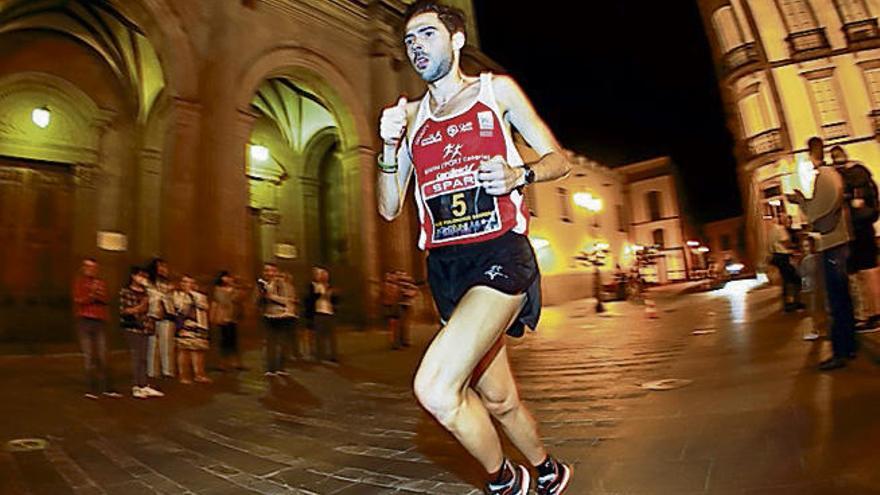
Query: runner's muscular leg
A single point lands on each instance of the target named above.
(442, 382)
(498, 391)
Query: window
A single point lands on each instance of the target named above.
(827, 103)
(852, 10)
(872, 77)
(564, 204)
(659, 238)
(725, 242)
(729, 34)
(653, 200)
(753, 112)
(798, 15)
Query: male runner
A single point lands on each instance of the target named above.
(457, 143)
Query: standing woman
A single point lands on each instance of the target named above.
(325, 299)
(134, 305)
(225, 313)
(191, 316)
(160, 353)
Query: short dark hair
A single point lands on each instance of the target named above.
(218, 281)
(451, 17)
(135, 270)
(815, 143)
(153, 268)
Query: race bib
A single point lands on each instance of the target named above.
(460, 208)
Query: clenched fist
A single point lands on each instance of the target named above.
(497, 176)
(393, 123)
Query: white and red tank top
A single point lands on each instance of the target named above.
(446, 154)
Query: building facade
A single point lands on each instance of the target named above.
(790, 70)
(726, 240)
(657, 216)
(573, 217)
(217, 135)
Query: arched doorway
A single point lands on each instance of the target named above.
(78, 85)
(297, 183)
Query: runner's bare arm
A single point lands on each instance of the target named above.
(392, 186)
(518, 110)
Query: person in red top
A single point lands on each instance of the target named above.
(457, 144)
(90, 300)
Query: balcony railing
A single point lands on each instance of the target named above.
(806, 44)
(875, 120)
(766, 142)
(836, 130)
(861, 32)
(740, 56)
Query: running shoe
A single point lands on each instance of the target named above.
(518, 485)
(112, 394)
(556, 482)
(91, 396)
(138, 393)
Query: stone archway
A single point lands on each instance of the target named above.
(332, 88)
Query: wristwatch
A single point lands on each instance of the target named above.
(529, 175)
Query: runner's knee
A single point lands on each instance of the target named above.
(443, 402)
(501, 405)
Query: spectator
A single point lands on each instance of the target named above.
(161, 343)
(827, 213)
(134, 306)
(191, 318)
(810, 271)
(861, 197)
(276, 296)
(225, 313)
(408, 293)
(323, 299)
(782, 247)
(90, 299)
(391, 305)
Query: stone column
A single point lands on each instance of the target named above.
(228, 239)
(362, 218)
(180, 222)
(149, 195)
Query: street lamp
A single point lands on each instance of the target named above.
(41, 117)
(596, 254)
(259, 153)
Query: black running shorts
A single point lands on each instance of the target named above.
(506, 264)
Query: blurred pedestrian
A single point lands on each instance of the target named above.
(191, 318)
(90, 299)
(391, 307)
(323, 298)
(860, 194)
(826, 211)
(225, 313)
(782, 248)
(275, 297)
(160, 355)
(813, 290)
(408, 293)
(134, 307)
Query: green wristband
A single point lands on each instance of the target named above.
(386, 167)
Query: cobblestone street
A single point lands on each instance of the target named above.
(757, 417)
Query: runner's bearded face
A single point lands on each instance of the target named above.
(429, 46)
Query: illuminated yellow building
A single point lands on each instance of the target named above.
(657, 218)
(790, 70)
(216, 134)
(572, 216)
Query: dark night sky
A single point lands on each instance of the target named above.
(622, 81)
